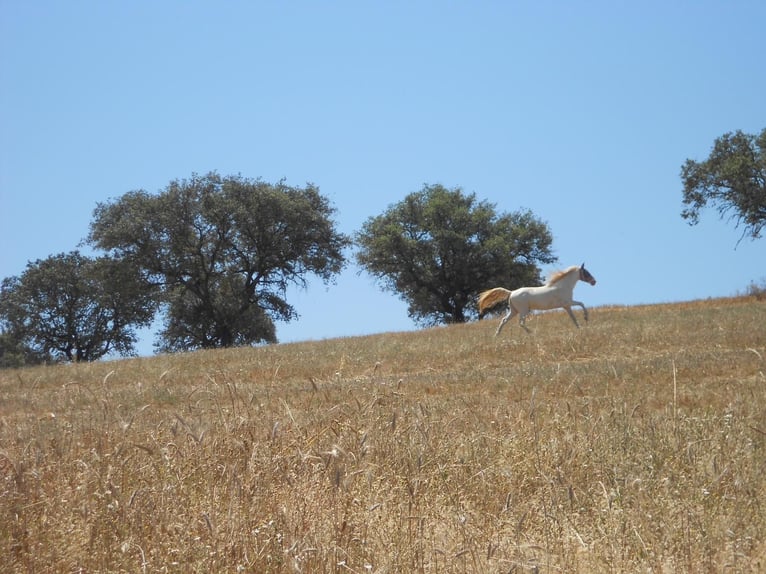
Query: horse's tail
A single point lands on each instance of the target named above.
(490, 298)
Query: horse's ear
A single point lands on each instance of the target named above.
(582, 266)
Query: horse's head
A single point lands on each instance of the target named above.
(586, 276)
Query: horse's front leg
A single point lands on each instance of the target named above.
(584, 310)
(572, 316)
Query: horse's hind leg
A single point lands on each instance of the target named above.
(523, 321)
(505, 319)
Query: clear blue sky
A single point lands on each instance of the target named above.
(582, 112)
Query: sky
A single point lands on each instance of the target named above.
(582, 112)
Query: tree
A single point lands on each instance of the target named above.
(74, 307)
(438, 247)
(733, 179)
(223, 251)
(13, 353)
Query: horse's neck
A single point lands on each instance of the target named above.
(568, 282)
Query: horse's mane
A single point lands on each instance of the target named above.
(557, 276)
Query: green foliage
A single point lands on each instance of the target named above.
(12, 352)
(72, 307)
(733, 179)
(223, 250)
(438, 247)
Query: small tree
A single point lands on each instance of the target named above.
(223, 251)
(73, 307)
(13, 353)
(733, 179)
(438, 247)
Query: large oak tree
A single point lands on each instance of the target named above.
(223, 251)
(438, 247)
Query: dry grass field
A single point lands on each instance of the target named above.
(634, 444)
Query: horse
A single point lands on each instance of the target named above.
(556, 293)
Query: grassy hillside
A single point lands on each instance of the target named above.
(634, 444)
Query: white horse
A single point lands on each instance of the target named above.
(556, 293)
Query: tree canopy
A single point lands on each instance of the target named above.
(223, 251)
(73, 307)
(438, 247)
(732, 179)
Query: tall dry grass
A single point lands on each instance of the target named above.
(635, 444)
